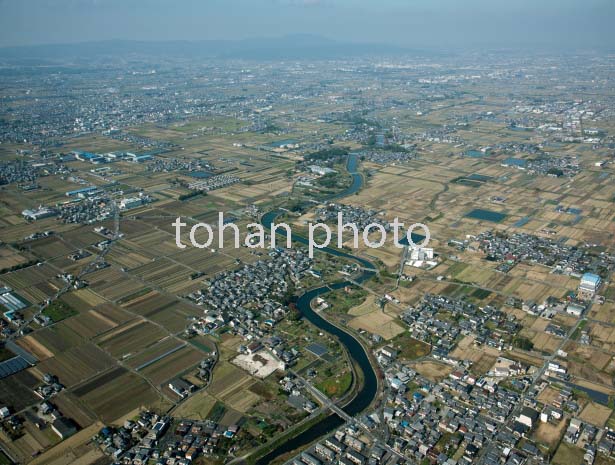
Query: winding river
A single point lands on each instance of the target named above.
(369, 388)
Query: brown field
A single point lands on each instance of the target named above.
(605, 312)
(164, 273)
(226, 378)
(70, 406)
(483, 358)
(103, 378)
(33, 346)
(548, 395)
(379, 323)
(58, 338)
(112, 314)
(546, 342)
(172, 365)
(587, 354)
(154, 351)
(16, 390)
(434, 371)
(112, 284)
(602, 336)
(9, 257)
(595, 414)
(82, 299)
(126, 257)
(165, 310)
(74, 450)
(90, 324)
(112, 398)
(196, 407)
(50, 247)
(35, 283)
(77, 364)
(231, 417)
(368, 306)
(242, 400)
(131, 338)
(549, 434)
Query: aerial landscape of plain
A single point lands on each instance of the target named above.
(307, 232)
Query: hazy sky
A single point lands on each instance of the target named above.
(410, 23)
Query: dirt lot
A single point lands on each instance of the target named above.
(379, 323)
(550, 434)
(434, 371)
(548, 395)
(261, 364)
(366, 307)
(73, 450)
(196, 407)
(595, 414)
(567, 454)
(598, 359)
(546, 342)
(483, 357)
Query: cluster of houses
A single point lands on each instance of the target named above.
(552, 307)
(248, 298)
(490, 326)
(347, 446)
(162, 440)
(358, 216)
(297, 397)
(388, 157)
(566, 259)
(87, 211)
(49, 387)
(27, 172)
(448, 423)
(465, 418)
(546, 165)
(213, 182)
(173, 165)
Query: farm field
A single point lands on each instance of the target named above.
(116, 393)
(77, 364)
(130, 338)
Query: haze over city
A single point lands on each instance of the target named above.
(423, 24)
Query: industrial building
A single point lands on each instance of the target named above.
(589, 286)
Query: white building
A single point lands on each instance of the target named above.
(589, 285)
(321, 170)
(131, 202)
(575, 309)
(38, 213)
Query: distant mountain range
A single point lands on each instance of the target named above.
(297, 46)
